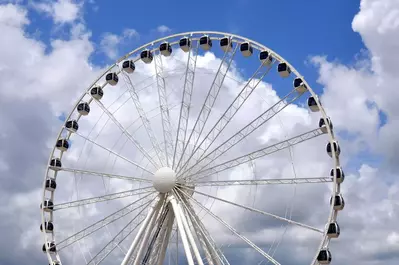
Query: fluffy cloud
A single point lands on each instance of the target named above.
(61, 11)
(163, 29)
(110, 42)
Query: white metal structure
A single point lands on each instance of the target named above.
(176, 152)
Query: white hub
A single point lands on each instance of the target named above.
(164, 179)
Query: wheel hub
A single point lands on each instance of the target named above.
(164, 179)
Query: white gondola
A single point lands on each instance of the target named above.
(128, 66)
(299, 85)
(51, 185)
(51, 247)
(165, 49)
(47, 206)
(266, 58)
(72, 126)
(62, 145)
(112, 79)
(226, 44)
(97, 92)
(333, 230)
(312, 104)
(322, 125)
(205, 42)
(339, 203)
(246, 49)
(55, 164)
(185, 44)
(55, 262)
(146, 56)
(48, 227)
(283, 69)
(339, 173)
(337, 149)
(324, 256)
(83, 108)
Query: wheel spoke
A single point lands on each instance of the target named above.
(186, 103)
(101, 174)
(108, 197)
(257, 154)
(102, 223)
(246, 131)
(241, 182)
(246, 240)
(163, 105)
(113, 152)
(126, 133)
(229, 113)
(208, 103)
(258, 211)
(143, 116)
(116, 240)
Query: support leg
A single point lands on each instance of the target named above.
(190, 236)
(141, 230)
(165, 242)
(181, 230)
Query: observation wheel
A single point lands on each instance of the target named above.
(197, 148)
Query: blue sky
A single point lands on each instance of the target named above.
(293, 29)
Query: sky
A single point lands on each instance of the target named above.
(347, 51)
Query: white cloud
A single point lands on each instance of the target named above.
(110, 43)
(46, 83)
(61, 11)
(163, 29)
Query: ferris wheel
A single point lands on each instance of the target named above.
(183, 152)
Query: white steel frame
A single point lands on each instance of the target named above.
(157, 227)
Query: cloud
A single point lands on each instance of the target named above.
(61, 11)
(110, 43)
(48, 77)
(163, 29)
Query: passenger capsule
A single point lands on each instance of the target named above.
(55, 262)
(55, 164)
(324, 256)
(205, 42)
(51, 247)
(112, 79)
(146, 56)
(333, 230)
(62, 145)
(48, 227)
(47, 206)
(128, 66)
(266, 58)
(185, 44)
(246, 49)
(97, 92)
(322, 125)
(165, 49)
(72, 126)
(283, 69)
(51, 185)
(83, 108)
(312, 104)
(299, 85)
(339, 173)
(226, 44)
(337, 149)
(339, 203)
